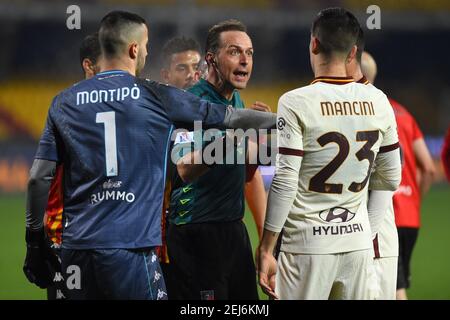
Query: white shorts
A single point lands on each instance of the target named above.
(342, 276)
(386, 277)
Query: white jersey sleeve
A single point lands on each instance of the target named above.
(289, 158)
(387, 168)
(386, 240)
(390, 136)
(382, 224)
(377, 207)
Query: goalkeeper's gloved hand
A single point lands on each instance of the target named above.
(40, 262)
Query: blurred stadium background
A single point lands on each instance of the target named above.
(39, 57)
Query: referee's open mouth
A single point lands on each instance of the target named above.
(240, 75)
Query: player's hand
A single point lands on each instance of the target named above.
(267, 270)
(260, 106)
(40, 261)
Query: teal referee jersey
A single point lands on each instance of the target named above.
(218, 195)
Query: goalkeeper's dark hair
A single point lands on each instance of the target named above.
(115, 29)
(90, 48)
(177, 45)
(337, 30)
(213, 37)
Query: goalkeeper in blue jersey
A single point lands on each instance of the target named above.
(89, 59)
(111, 132)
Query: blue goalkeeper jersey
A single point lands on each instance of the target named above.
(112, 133)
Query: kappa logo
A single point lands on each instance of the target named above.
(281, 123)
(55, 245)
(58, 277)
(161, 295)
(60, 295)
(336, 214)
(157, 276)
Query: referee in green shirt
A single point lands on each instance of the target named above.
(208, 245)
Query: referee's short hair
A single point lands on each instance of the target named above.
(213, 37)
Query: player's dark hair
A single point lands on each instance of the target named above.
(90, 48)
(177, 45)
(337, 30)
(360, 44)
(114, 28)
(213, 37)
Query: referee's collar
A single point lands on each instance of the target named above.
(333, 80)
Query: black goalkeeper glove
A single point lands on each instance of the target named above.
(40, 262)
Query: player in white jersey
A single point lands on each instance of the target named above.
(330, 134)
(385, 241)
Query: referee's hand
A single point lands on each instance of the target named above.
(260, 106)
(267, 269)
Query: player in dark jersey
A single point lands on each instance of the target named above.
(111, 132)
(89, 59)
(181, 59)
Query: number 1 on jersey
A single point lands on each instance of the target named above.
(109, 120)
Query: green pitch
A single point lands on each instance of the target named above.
(430, 261)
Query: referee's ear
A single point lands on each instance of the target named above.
(209, 58)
